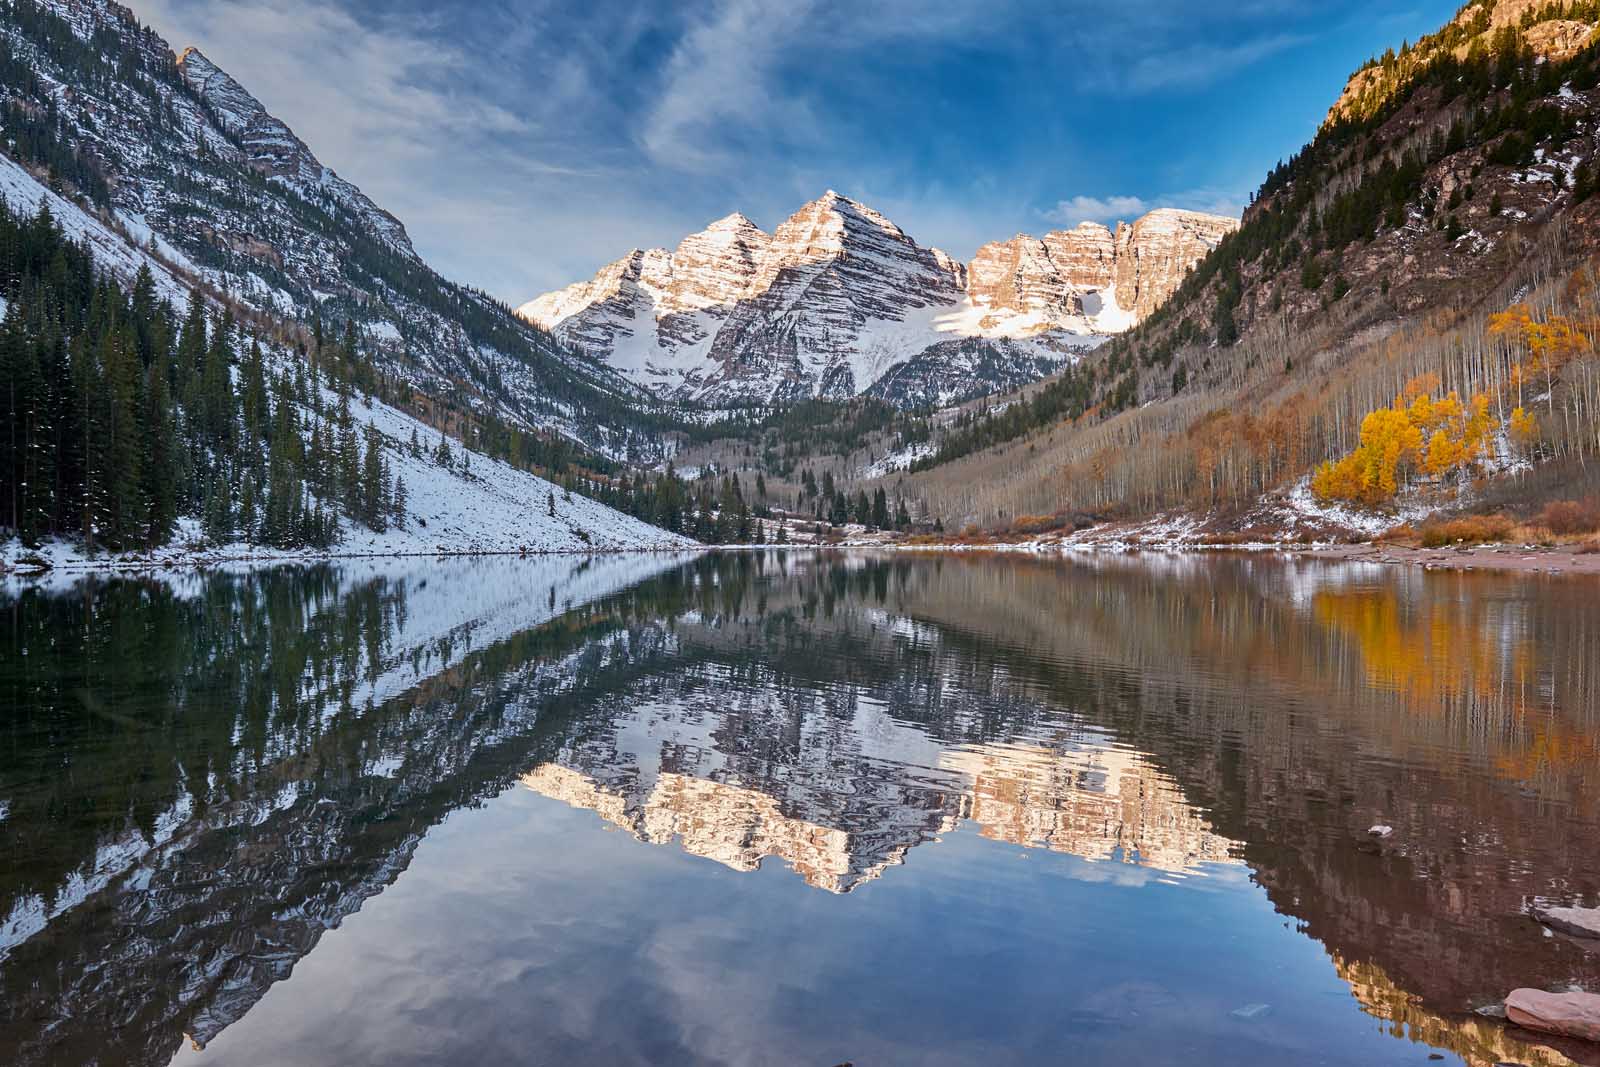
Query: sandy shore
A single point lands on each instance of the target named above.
(1561, 559)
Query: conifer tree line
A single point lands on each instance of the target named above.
(120, 416)
(829, 502)
(730, 510)
(713, 510)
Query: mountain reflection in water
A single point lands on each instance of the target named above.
(204, 775)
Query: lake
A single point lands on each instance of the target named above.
(793, 809)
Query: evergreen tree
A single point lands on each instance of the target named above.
(161, 465)
(371, 504)
(401, 502)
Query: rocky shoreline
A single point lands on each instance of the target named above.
(1525, 559)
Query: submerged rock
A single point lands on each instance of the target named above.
(1579, 922)
(1566, 1014)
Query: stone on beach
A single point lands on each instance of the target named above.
(1567, 1014)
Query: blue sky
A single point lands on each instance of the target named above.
(525, 142)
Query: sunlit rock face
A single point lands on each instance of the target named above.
(662, 777)
(1155, 253)
(838, 298)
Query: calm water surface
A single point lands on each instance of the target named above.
(793, 810)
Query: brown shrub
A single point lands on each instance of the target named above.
(1467, 530)
(1033, 525)
(1565, 518)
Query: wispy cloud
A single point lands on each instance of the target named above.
(1192, 65)
(526, 142)
(719, 83)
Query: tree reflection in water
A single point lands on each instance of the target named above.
(204, 774)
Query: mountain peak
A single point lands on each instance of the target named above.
(737, 222)
(838, 296)
(233, 104)
(273, 149)
(845, 208)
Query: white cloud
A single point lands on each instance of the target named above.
(1113, 209)
(1097, 209)
(718, 82)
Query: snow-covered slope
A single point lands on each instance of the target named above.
(195, 165)
(840, 301)
(474, 504)
(21, 190)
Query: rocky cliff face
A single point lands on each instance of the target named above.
(839, 300)
(841, 295)
(272, 148)
(1154, 254)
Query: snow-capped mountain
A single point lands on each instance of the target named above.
(149, 163)
(191, 166)
(840, 301)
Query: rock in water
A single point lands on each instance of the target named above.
(1567, 1014)
(1579, 922)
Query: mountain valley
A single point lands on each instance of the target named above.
(1426, 243)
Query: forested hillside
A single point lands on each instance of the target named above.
(1452, 184)
(124, 416)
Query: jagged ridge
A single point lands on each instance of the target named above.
(839, 299)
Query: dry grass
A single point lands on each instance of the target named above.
(1465, 530)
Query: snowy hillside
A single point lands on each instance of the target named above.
(473, 504)
(22, 191)
(187, 159)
